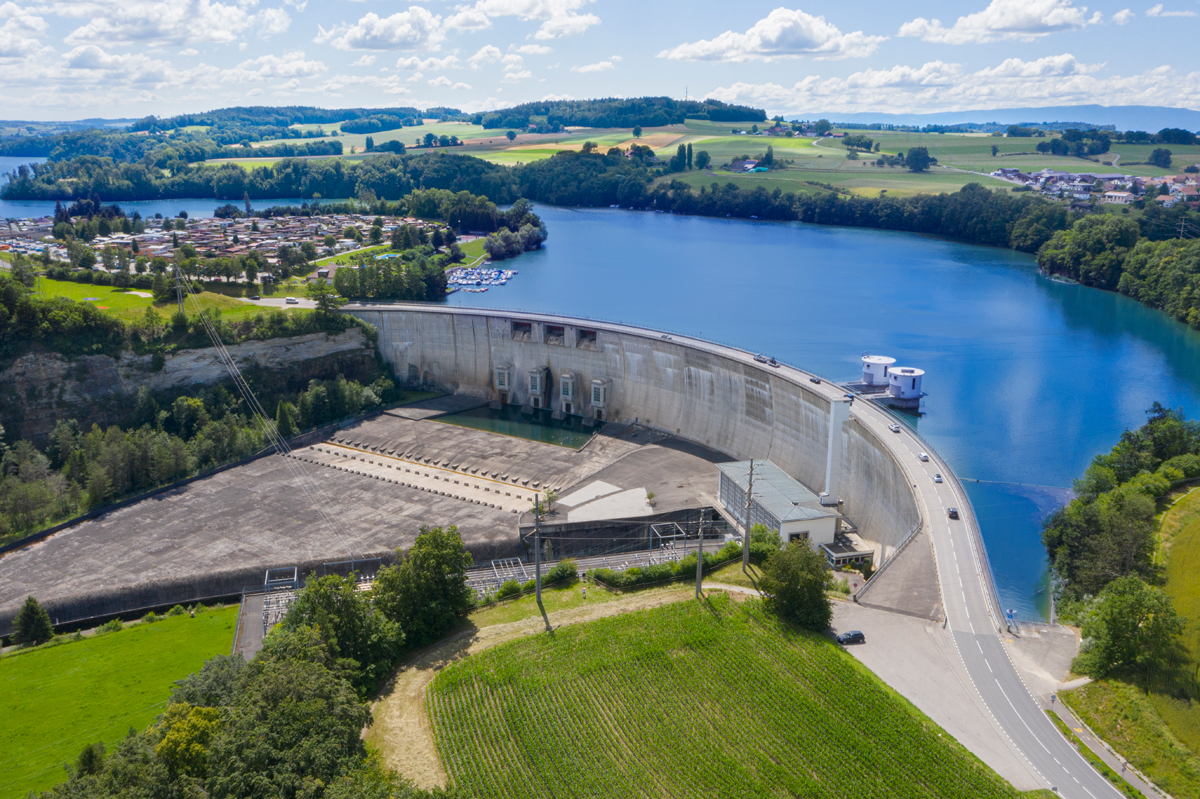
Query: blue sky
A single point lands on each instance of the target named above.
(71, 59)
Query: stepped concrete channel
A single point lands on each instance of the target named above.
(675, 405)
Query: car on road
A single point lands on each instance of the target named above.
(937, 478)
(851, 637)
(292, 301)
(816, 380)
(921, 456)
(773, 363)
(664, 335)
(255, 296)
(895, 428)
(762, 358)
(952, 513)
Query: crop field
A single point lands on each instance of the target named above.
(462, 130)
(695, 699)
(56, 699)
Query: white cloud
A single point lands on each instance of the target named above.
(512, 61)
(288, 65)
(554, 98)
(389, 84)
(20, 31)
(442, 80)
(516, 76)
(469, 19)
(364, 61)
(431, 64)
(602, 66)
(1023, 20)
(1157, 11)
(89, 65)
(272, 21)
(189, 51)
(783, 33)
(937, 86)
(414, 29)
(532, 49)
(152, 22)
(296, 4)
(559, 18)
(488, 54)
(413, 78)
(1123, 16)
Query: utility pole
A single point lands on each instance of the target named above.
(537, 546)
(700, 555)
(746, 520)
(178, 287)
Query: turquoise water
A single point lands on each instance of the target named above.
(537, 426)
(1027, 378)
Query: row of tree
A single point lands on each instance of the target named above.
(1102, 544)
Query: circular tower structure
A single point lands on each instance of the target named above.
(875, 369)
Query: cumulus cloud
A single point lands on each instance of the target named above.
(388, 84)
(431, 64)
(1157, 11)
(161, 22)
(1023, 20)
(469, 19)
(488, 54)
(1123, 16)
(414, 29)
(364, 61)
(559, 18)
(938, 86)
(19, 32)
(289, 65)
(91, 65)
(601, 66)
(299, 5)
(272, 21)
(189, 51)
(784, 33)
(532, 49)
(442, 80)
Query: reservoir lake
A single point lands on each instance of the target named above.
(1027, 378)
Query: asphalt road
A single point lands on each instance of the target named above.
(973, 619)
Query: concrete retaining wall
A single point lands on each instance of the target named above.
(712, 395)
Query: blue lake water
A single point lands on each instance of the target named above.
(1027, 378)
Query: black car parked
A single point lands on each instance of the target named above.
(852, 637)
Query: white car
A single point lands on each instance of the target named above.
(921, 456)
(292, 301)
(937, 478)
(895, 428)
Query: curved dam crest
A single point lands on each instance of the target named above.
(703, 392)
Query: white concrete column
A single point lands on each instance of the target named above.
(839, 412)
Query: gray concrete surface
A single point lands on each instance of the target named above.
(917, 658)
(218, 535)
(250, 626)
(909, 583)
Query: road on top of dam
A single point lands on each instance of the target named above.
(973, 614)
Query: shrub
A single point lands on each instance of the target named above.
(33, 624)
(563, 570)
(510, 588)
(111, 626)
(176, 611)
(150, 617)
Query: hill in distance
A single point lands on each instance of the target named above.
(1124, 117)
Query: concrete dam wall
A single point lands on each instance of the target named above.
(703, 392)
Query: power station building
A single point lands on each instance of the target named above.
(779, 502)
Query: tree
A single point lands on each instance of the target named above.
(637, 131)
(512, 134)
(370, 144)
(689, 156)
(702, 159)
(589, 148)
(285, 419)
(1129, 625)
(1161, 157)
(33, 624)
(324, 296)
(376, 234)
(795, 579)
(351, 628)
(918, 159)
(426, 591)
(996, 149)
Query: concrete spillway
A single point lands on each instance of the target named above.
(707, 393)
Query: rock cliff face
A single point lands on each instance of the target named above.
(38, 389)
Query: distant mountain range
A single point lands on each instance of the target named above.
(1125, 117)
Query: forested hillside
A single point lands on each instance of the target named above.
(617, 113)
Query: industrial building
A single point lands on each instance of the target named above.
(779, 502)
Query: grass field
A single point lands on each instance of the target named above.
(248, 164)
(695, 699)
(128, 305)
(56, 699)
(462, 130)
